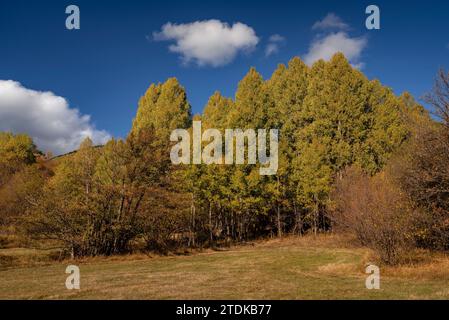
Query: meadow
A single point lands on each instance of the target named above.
(322, 267)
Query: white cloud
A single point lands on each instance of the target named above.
(325, 47)
(209, 42)
(47, 118)
(276, 38)
(271, 48)
(331, 21)
(273, 44)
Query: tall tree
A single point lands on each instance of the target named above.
(163, 107)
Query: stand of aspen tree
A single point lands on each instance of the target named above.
(127, 194)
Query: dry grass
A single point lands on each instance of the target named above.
(322, 267)
(432, 267)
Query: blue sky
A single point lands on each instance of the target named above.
(103, 68)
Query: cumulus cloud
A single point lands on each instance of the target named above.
(209, 42)
(331, 21)
(330, 41)
(273, 44)
(325, 47)
(46, 117)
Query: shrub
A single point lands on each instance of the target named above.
(376, 211)
(422, 171)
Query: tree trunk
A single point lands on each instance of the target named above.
(192, 224)
(279, 225)
(298, 220)
(211, 236)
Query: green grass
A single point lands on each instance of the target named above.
(279, 269)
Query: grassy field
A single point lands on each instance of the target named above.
(290, 268)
